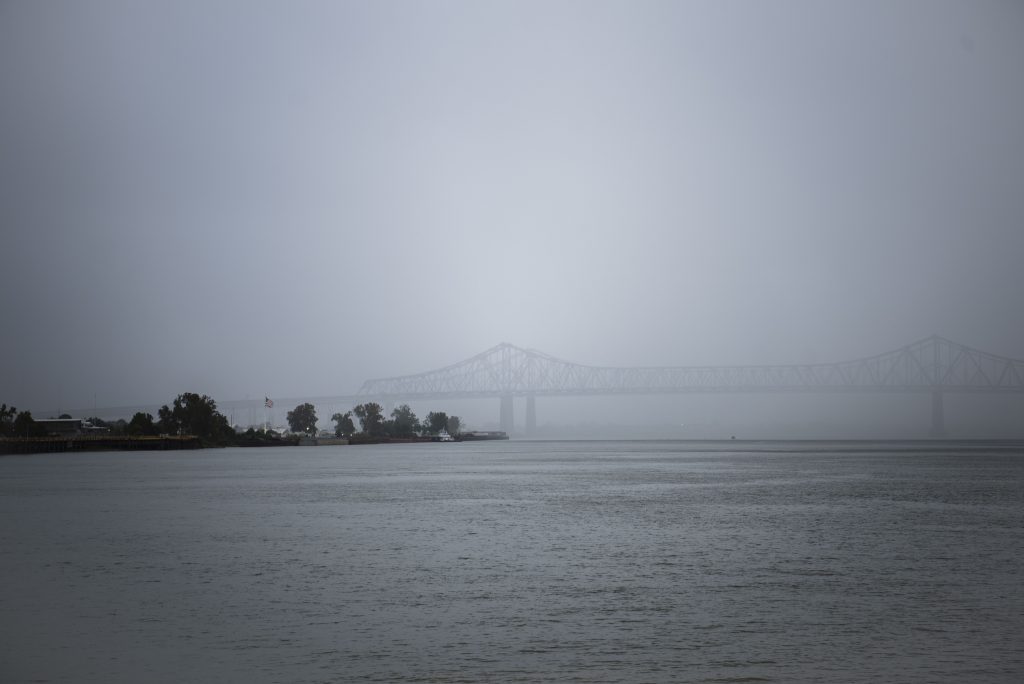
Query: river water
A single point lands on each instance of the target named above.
(516, 561)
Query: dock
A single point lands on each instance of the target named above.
(53, 444)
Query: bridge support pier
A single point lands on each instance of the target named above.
(507, 418)
(531, 414)
(938, 429)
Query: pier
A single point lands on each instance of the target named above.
(37, 445)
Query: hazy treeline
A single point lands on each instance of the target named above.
(188, 414)
(15, 424)
(403, 422)
(195, 414)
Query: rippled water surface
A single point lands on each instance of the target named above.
(515, 561)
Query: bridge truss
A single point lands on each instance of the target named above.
(934, 365)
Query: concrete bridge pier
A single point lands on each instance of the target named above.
(531, 415)
(507, 419)
(938, 429)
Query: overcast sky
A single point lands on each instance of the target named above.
(287, 198)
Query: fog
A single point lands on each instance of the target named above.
(284, 199)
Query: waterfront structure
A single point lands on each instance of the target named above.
(68, 427)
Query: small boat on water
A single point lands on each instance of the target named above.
(443, 436)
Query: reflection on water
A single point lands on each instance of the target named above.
(530, 561)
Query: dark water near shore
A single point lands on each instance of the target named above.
(515, 561)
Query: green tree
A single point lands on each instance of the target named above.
(404, 422)
(25, 426)
(142, 424)
(436, 422)
(344, 427)
(7, 420)
(371, 418)
(454, 425)
(303, 418)
(192, 414)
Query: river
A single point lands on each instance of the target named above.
(516, 561)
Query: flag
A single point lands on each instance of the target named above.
(268, 402)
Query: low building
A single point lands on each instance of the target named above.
(69, 427)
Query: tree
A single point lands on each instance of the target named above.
(437, 422)
(404, 422)
(166, 423)
(344, 427)
(142, 424)
(192, 414)
(7, 420)
(371, 418)
(25, 426)
(303, 418)
(454, 425)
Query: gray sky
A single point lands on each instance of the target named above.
(286, 198)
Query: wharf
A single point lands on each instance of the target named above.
(38, 445)
(481, 435)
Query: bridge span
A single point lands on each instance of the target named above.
(934, 366)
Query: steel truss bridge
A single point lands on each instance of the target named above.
(934, 365)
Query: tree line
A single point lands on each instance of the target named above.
(195, 414)
(403, 423)
(188, 414)
(15, 424)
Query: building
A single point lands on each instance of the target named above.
(69, 427)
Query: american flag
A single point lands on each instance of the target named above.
(268, 402)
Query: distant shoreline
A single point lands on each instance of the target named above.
(83, 444)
